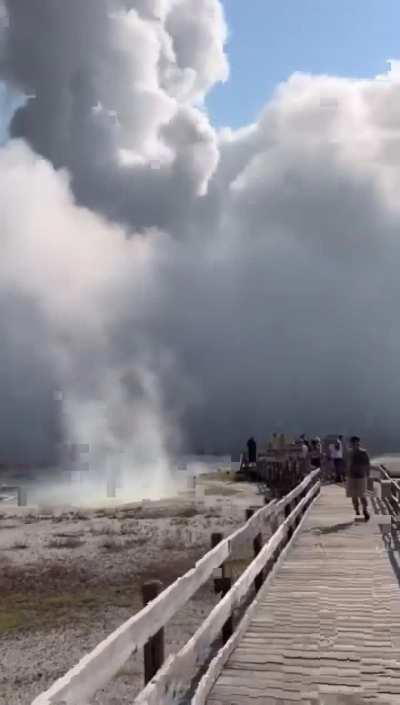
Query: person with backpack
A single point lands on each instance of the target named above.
(358, 465)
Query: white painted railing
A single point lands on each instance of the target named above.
(390, 486)
(207, 682)
(98, 667)
(177, 674)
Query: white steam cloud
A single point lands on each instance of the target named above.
(184, 287)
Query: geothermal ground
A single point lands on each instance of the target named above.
(68, 578)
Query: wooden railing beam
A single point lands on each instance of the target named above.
(98, 667)
(176, 676)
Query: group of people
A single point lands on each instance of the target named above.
(350, 463)
(311, 449)
(334, 457)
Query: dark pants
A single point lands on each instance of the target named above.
(339, 469)
(357, 506)
(252, 456)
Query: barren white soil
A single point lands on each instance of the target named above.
(68, 578)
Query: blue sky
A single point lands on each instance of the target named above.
(270, 39)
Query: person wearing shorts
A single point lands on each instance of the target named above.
(358, 464)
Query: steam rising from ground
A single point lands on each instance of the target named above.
(182, 287)
(135, 482)
(76, 270)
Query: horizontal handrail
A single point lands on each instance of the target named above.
(103, 663)
(384, 471)
(98, 667)
(177, 674)
(207, 681)
(388, 476)
(394, 486)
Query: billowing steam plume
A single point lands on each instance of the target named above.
(182, 287)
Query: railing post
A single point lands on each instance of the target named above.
(22, 499)
(257, 546)
(154, 649)
(290, 530)
(394, 495)
(274, 523)
(227, 629)
(223, 585)
(295, 504)
(216, 538)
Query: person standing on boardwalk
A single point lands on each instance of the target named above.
(357, 472)
(252, 450)
(315, 454)
(337, 457)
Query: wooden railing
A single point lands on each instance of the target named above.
(280, 470)
(178, 674)
(390, 487)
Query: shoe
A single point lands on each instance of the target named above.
(357, 512)
(366, 515)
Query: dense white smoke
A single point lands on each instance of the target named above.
(185, 287)
(66, 277)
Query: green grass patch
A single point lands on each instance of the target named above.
(27, 611)
(11, 620)
(223, 476)
(220, 491)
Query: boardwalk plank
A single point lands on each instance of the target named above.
(328, 623)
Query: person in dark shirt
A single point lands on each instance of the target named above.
(357, 473)
(315, 454)
(252, 450)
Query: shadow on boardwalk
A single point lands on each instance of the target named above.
(335, 528)
(329, 529)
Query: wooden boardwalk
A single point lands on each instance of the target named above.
(326, 628)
